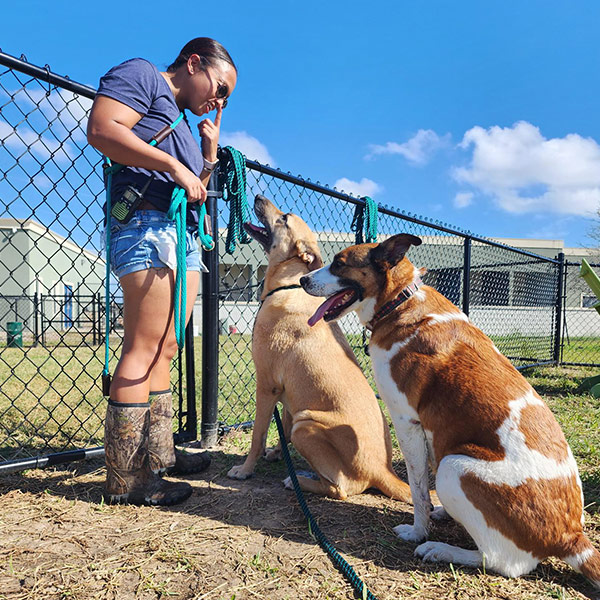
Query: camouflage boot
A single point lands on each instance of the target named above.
(129, 479)
(164, 457)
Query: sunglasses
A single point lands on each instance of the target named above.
(222, 93)
(222, 90)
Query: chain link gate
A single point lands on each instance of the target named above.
(52, 277)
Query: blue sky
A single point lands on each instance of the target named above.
(479, 114)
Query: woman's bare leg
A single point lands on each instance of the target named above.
(149, 342)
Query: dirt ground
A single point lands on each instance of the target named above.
(230, 540)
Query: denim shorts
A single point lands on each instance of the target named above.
(149, 241)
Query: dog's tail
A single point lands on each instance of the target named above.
(585, 559)
(391, 485)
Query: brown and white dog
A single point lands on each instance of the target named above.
(503, 467)
(330, 411)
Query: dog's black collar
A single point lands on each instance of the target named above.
(293, 286)
(388, 307)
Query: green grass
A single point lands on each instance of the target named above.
(50, 399)
(581, 350)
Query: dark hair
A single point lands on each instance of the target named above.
(209, 51)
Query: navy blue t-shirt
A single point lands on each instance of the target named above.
(138, 84)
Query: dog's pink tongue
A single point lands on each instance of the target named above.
(323, 308)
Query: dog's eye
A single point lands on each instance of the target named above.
(283, 218)
(337, 263)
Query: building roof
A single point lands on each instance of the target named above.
(42, 231)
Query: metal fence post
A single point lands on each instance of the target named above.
(94, 341)
(190, 430)
(466, 276)
(210, 325)
(559, 308)
(36, 327)
(42, 303)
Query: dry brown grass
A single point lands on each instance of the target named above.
(247, 540)
(229, 540)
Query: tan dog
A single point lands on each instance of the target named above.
(330, 411)
(504, 468)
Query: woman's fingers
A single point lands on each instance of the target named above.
(196, 192)
(218, 115)
(193, 186)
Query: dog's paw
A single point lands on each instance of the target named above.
(439, 514)
(434, 552)
(238, 472)
(287, 483)
(410, 533)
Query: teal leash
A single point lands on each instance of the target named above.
(313, 528)
(365, 218)
(177, 213)
(234, 187)
(109, 169)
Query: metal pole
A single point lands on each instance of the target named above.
(559, 308)
(189, 432)
(99, 315)
(467, 276)
(210, 325)
(42, 320)
(36, 327)
(94, 340)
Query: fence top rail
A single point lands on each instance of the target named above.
(386, 210)
(44, 74)
(578, 264)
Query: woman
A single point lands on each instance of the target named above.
(134, 101)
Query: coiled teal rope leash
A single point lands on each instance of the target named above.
(233, 163)
(177, 213)
(348, 572)
(365, 217)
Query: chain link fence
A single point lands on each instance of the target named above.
(52, 272)
(581, 323)
(52, 277)
(510, 294)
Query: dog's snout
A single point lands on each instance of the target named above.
(304, 281)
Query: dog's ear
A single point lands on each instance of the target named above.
(392, 251)
(309, 254)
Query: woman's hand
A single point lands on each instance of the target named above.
(183, 177)
(209, 134)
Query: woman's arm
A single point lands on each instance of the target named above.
(109, 131)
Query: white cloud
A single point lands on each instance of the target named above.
(525, 172)
(418, 150)
(65, 110)
(22, 140)
(463, 199)
(364, 187)
(247, 145)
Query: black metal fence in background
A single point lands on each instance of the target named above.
(580, 323)
(51, 247)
